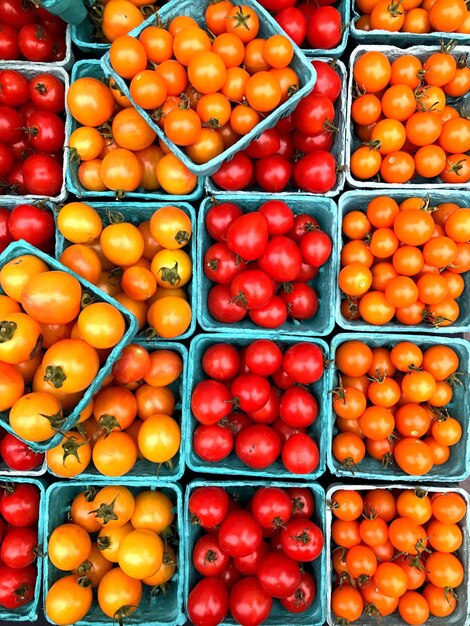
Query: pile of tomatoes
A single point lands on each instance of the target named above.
(297, 151)
(129, 419)
(393, 550)
(258, 402)
(309, 24)
(258, 254)
(414, 16)
(403, 117)
(253, 551)
(144, 267)
(19, 514)
(31, 33)
(116, 148)
(31, 222)
(391, 405)
(117, 542)
(197, 87)
(49, 344)
(32, 133)
(17, 456)
(405, 262)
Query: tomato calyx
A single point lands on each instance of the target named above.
(108, 423)
(170, 274)
(105, 512)
(56, 420)
(87, 298)
(450, 594)
(84, 581)
(342, 621)
(21, 593)
(7, 331)
(455, 167)
(299, 597)
(301, 538)
(210, 557)
(103, 543)
(434, 320)
(353, 308)
(241, 19)
(124, 612)
(55, 376)
(371, 610)
(298, 505)
(212, 123)
(70, 447)
(394, 8)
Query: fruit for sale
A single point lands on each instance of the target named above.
(391, 554)
(391, 405)
(263, 263)
(402, 114)
(296, 153)
(252, 405)
(32, 135)
(191, 93)
(132, 552)
(405, 262)
(146, 267)
(260, 550)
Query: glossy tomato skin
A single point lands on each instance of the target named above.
(36, 43)
(249, 603)
(19, 505)
(223, 307)
(302, 540)
(14, 88)
(281, 259)
(210, 402)
(239, 534)
(9, 49)
(324, 29)
(208, 506)
(16, 586)
(248, 236)
(258, 446)
(328, 80)
(250, 392)
(272, 315)
(11, 123)
(279, 575)
(221, 361)
(315, 247)
(46, 131)
(300, 454)
(304, 363)
(5, 235)
(273, 173)
(221, 265)
(303, 597)
(252, 289)
(301, 301)
(42, 175)
(272, 507)
(213, 442)
(34, 225)
(265, 145)
(47, 93)
(208, 557)
(263, 357)
(278, 215)
(248, 565)
(303, 504)
(17, 455)
(208, 602)
(219, 217)
(316, 172)
(18, 547)
(293, 22)
(236, 174)
(17, 14)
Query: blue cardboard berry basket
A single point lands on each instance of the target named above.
(30, 70)
(358, 201)
(154, 610)
(457, 468)
(352, 142)
(461, 615)
(243, 491)
(144, 469)
(136, 213)
(71, 11)
(339, 146)
(19, 248)
(92, 68)
(268, 27)
(28, 612)
(232, 465)
(325, 211)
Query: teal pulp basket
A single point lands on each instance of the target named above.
(91, 68)
(136, 213)
(30, 70)
(154, 610)
(325, 211)
(19, 248)
(28, 612)
(143, 469)
(232, 466)
(268, 27)
(461, 615)
(357, 201)
(338, 150)
(457, 468)
(353, 142)
(71, 11)
(243, 491)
